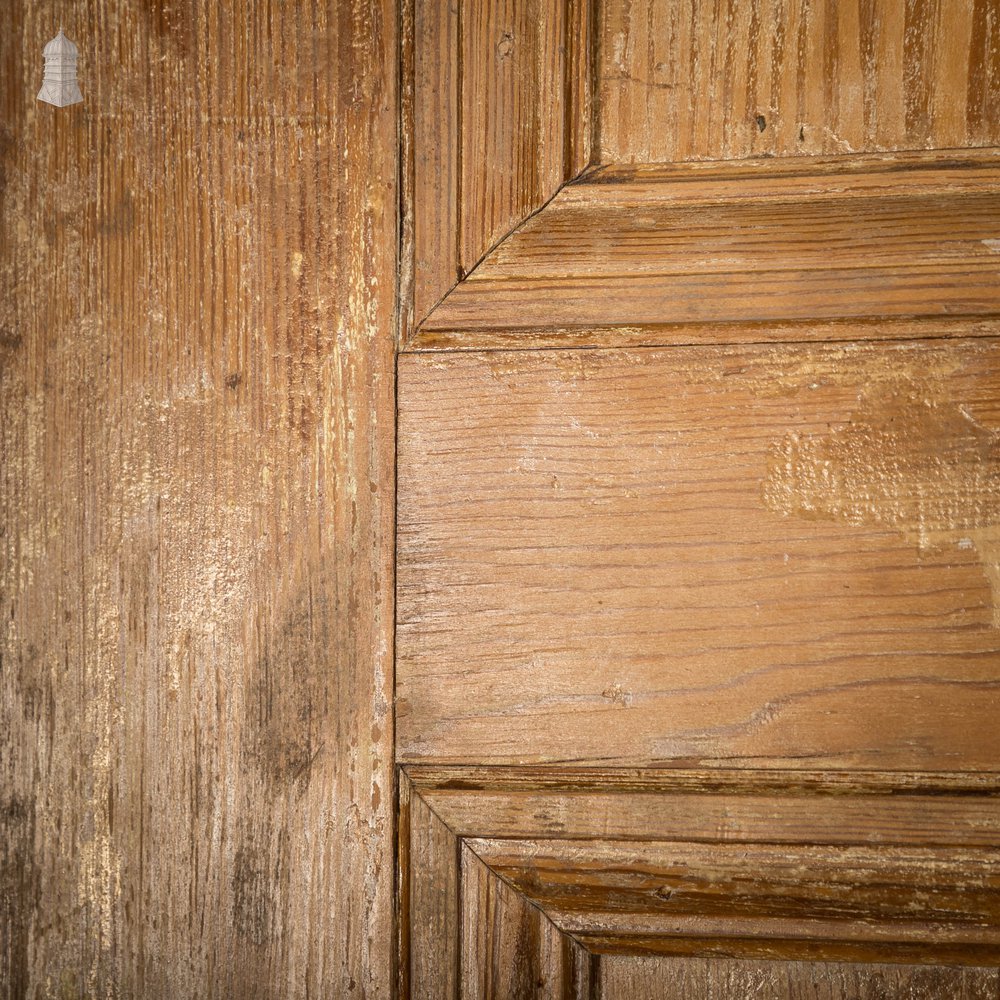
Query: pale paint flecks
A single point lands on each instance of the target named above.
(909, 460)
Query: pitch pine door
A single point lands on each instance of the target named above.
(698, 555)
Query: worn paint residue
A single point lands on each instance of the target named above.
(907, 460)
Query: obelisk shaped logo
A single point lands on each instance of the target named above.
(59, 87)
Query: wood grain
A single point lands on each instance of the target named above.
(431, 104)
(743, 251)
(746, 555)
(516, 121)
(497, 114)
(429, 901)
(769, 865)
(682, 81)
(775, 902)
(510, 949)
(662, 978)
(465, 932)
(749, 806)
(196, 421)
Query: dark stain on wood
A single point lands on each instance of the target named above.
(31, 678)
(253, 895)
(10, 341)
(294, 688)
(119, 218)
(19, 891)
(171, 22)
(7, 154)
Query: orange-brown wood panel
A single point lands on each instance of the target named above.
(752, 591)
(514, 116)
(466, 932)
(748, 805)
(683, 81)
(510, 948)
(497, 115)
(747, 250)
(558, 870)
(636, 978)
(196, 413)
(429, 903)
(766, 901)
(759, 555)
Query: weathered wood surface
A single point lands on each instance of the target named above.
(761, 555)
(681, 81)
(662, 978)
(510, 949)
(744, 251)
(429, 901)
(765, 901)
(196, 410)
(496, 117)
(464, 932)
(789, 866)
(748, 806)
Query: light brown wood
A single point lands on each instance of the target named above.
(762, 901)
(465, 932)
(753, 589)
(766, 555)
(497, 116)
(510, 948)
(638, 978)
(430, 963)
(199, 296)
(198, 273)
(743, 252)
(431, 104)
(760, 864)
(750, 806)
(682, 81)
(517, 115)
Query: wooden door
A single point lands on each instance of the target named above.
(698, 501)
(197, 292)
(697, 548)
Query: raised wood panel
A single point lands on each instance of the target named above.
(464, 932)
(763, 901)
(511, 950)
(431, 110)
(744, 251)
(198, 268)
(550, 897)
(429, 900)
(761, 555)
(748, 806)
(755, 558)
(663, 978)
(682, 81)
(521, 124)
(497, 116)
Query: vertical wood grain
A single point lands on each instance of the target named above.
(513, 116)
(431, 913)
(510, 948)
(632, 978)
(434, 193)
(497, 115)
(196, 405)
(682, 81)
